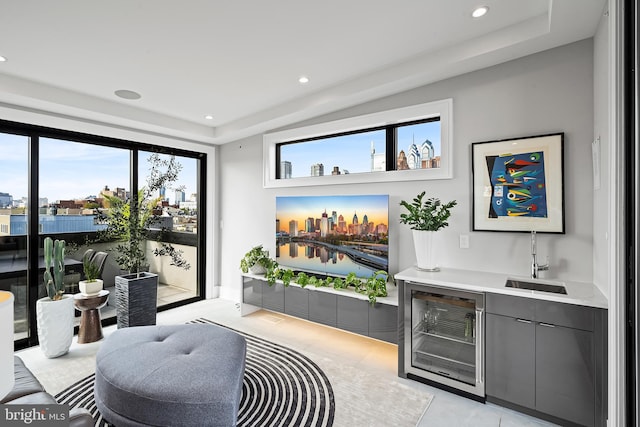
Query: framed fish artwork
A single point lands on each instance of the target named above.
(518, 184)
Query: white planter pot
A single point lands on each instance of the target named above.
(90, 288)
(55, 325)
(257, 269)
(426, 247)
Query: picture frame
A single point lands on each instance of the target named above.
(518, 184)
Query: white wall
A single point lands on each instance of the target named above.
(601, 130)
(543, 93)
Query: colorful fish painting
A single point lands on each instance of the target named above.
(518, 185)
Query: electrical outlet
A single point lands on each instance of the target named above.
(464, 241)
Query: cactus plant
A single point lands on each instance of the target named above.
(54, 268)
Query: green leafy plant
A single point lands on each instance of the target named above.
(91, 270)
(302, 279)
(258, 256)
(376, 285)
(338, 283)
(128, 222)
(426, 215)
(54, 268)
(286, 276)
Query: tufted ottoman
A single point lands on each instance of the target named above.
(170, 375)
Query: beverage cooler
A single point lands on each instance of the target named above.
(443, 337)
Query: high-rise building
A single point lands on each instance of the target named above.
(180, 197)
(378, 160)
(324, 224)
(317, 169)
(285, 169)
(342, 224)
(309, 225)
(293, 228)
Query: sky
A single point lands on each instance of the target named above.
(72, 170)
(376, 207)
(353, 152)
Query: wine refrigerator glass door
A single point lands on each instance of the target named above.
(445, 337)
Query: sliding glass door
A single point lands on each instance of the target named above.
(172, 249)
(14, 178)
(60, 184)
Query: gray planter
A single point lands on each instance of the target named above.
(136, 299)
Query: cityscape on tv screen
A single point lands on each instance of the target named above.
(333, 235)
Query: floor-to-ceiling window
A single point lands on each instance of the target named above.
(14, 174)
(55, 184)
(172, 253)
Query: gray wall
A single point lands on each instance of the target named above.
(543, 93)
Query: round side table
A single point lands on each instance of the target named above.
(90, 327)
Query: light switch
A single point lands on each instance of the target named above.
(464, 241)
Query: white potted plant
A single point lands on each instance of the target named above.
(257, 261)
(91, 285)
(425, 218)
(54, 313)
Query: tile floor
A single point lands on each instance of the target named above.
(446, 409)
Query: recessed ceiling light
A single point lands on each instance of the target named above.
(127, 94)
(3, 59)
(303, 79)
(208, 117)
(481, 11)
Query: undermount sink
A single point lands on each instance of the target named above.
(537, 285)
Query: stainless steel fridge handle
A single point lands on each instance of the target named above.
(480, 346)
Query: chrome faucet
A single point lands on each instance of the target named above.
(535, 267)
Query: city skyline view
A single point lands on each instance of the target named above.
(353, 152)
(299, 208)
(70, 170)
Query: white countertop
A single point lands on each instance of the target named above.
(579, 293)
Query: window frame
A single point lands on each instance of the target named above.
(399, 116)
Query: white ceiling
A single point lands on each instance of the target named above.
(240, 61)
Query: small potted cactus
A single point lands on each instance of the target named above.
(54, 313)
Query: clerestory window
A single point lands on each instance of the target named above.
(411, 143)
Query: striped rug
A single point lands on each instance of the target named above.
(281, 388)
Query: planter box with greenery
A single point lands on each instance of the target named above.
(374, 286)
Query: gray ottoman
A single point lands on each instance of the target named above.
(178, 375)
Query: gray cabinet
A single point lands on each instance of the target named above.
(252, 291)
(296, 302)
(273, 297)
(565, 371)
(510, 359)
(323, 308)
(548, 357)
(353, 315)
(346, 312)
(383, 322)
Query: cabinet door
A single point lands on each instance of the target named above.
(273, 297)
(565, 372)
(383, 322)
(510, 359)
(296, 302)
(252, 291)
(353, 315)
(322, 308)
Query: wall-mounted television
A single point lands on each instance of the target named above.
(333, 235)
